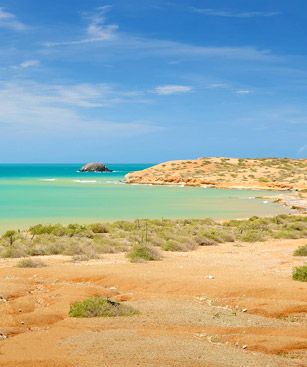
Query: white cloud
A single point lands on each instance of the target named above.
(243, 91)
(96, 31)
(56, 108)
(10, 21)
(126, 46)
(172, 89)
(233, 14)
(28, 64)
(218, 86)
(112, 42)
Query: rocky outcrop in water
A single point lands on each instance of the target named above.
(95, 167)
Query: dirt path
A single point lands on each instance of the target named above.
(187, 319)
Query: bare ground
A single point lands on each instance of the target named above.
(187, 319)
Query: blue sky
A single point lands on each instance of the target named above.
(151, 80)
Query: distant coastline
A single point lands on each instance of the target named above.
(278, 174)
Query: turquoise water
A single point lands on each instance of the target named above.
(59, 193)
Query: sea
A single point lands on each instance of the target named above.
(60, 193)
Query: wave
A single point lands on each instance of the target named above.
(85, 181)
(48, 179)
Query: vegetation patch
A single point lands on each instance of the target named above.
(301, 251)
(300, 273)
(100, 307)
(30, 263)
(141, 239)
(85, 257)
(140, 252)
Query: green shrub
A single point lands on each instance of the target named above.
(124, 225)
(39, 229)
(10, 235)
(55, 229)
(114, 244)
(98, 228)
(100, 307)
(203, 241)
(285, 233)
(47, 244)
(263, 179)
(141, 252)
(30, 263)
(88, 253)
(300, 273)
(301, 251)
(55, 248)
(74, 246)
(251, 236)
(14, 251)
(219, 235)
(37, 251)
(172, 245)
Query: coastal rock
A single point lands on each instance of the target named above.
(95, 167)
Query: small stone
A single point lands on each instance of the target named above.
(210, 276)
(2, 336)
(244, 346)
(244, 309)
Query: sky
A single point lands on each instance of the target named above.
(152, 80)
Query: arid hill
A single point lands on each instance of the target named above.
(263, 173)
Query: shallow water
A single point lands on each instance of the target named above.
(59, 193)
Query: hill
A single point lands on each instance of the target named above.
(262, 173)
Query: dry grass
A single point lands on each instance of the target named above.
(30, 263)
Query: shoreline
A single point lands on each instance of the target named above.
(269, 174)
(293, 202)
